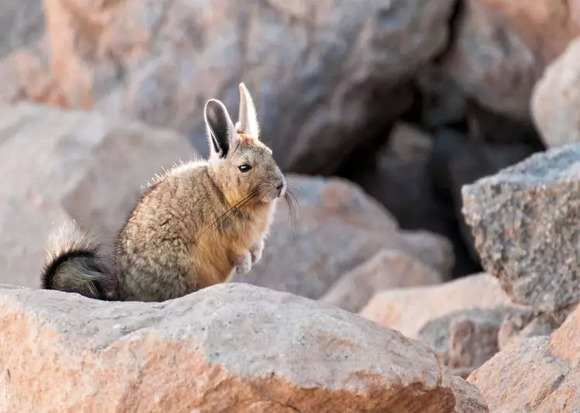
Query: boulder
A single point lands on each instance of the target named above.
(59, 165)
(306, 64)
(21, 23)
(337, 227)
(538, 374)
(409, 309)
(524, 221)
(75, 354)
(522, 325)
(556, 97)
(387, 269)
(466, 339)
(502, 47)
(491, 62)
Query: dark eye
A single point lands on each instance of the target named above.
(244, 168)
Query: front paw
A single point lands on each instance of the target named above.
(256, 252)
(243, 264)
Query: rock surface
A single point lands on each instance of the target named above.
(57, 165)
(556, 98)
(386, 270)
(408, 310)
(306, 64)
(539, 374)
(21, 23)
(466, 339)
(491, 62)
(185, 354)
(502, 47)
(524, 220)
(337, 228)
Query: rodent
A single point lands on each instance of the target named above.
(194, 226)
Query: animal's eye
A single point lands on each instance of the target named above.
(244, 168)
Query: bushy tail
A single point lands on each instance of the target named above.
(73, 263)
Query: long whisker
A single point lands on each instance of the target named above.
(231, 211)
(293, 209)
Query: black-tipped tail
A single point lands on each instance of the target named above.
(73, 264)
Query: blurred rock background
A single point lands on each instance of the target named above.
(384, 114)
(408, 100)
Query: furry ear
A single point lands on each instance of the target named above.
(220, 128)
(248, 120)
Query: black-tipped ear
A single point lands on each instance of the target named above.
(219, 126)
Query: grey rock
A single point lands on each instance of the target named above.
(524, 221)
(491, 61)
(21, 23)
(466, 339)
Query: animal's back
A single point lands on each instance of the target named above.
(160, 239)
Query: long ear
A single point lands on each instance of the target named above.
(220, 128)
(248, 120)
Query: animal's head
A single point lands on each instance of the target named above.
(241, 165)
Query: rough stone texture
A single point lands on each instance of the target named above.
(523, 325)
(337, 228)
(540, 374)
(57, 165)
(556, 99)
(185, 355)
(525, 224)
(473, 160)
(408, 310)
(307, 64)
(466, 339)
(385, 270)
(21, 23)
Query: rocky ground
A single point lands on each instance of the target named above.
(434, 150)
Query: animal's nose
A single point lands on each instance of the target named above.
(280, 188)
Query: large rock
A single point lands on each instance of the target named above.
(57, 165)
(540, 374)
(337, 228)
(466, 339)
(502, 47)
(307, 64)
(75, 354)
(408, 310)
(556, 98)
(21, 23)
(388, 269)
(525, 224)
